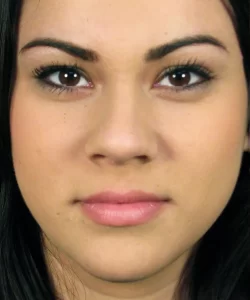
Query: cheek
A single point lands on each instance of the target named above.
(208, 153)
(45, 140)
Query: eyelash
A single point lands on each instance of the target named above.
(44, 71)
(190, 66)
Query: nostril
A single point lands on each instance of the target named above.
(144, 158)
(118, 160)
(98, 156)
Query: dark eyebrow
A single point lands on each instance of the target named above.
(153, 54)
(69, 48)
(163, 50)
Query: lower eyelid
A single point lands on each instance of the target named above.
(63, 90)
(200, 86)
(203, 78)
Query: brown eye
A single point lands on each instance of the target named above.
(68, 78)
(182, 77)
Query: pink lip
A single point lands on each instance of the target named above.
(122, 209)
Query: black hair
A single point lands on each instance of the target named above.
(219, 267)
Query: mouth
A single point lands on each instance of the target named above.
(123, 209)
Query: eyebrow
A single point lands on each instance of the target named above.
(163, 50)
(67, 47)
(153, 54)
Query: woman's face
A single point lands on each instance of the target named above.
(127, 115)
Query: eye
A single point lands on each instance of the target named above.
(180, 78)
(183, 77)
(67, 78)
(62, 77)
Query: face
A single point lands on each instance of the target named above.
(127, 115)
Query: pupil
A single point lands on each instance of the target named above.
(69, 78)
(180, 78)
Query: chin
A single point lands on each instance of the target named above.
(123, 272)
(122, 277)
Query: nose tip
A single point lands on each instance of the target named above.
(117, 143)
(119, 148)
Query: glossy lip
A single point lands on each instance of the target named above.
(122, 198)
(123, 209)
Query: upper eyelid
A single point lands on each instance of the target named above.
(173, 67)
(199, 69)
(58, 67)
(53, 68)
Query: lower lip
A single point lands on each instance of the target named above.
(125, 214)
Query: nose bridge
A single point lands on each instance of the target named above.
(125, 109)
(122, 131)
(124, 122)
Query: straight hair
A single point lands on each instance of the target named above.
(219, 266)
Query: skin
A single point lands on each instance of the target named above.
(125, 133)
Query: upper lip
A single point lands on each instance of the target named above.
(120, 198)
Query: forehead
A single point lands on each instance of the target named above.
(109, 22)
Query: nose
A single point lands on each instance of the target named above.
(121, 133)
